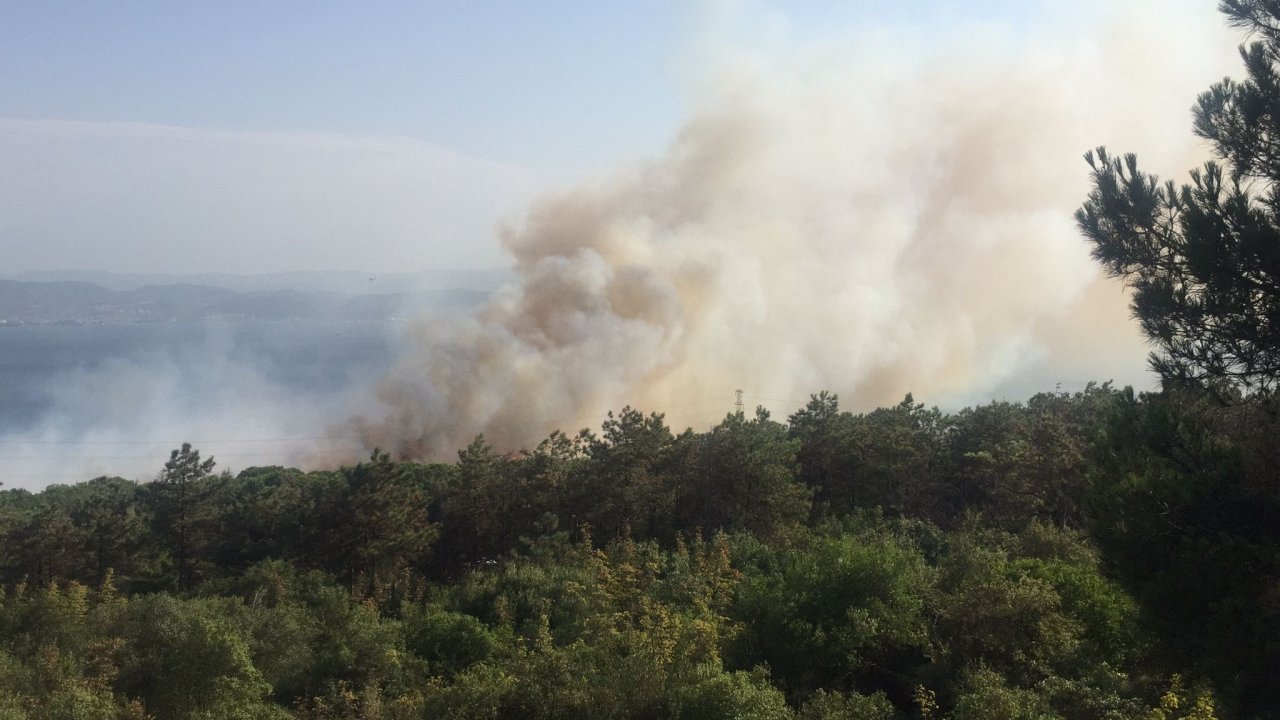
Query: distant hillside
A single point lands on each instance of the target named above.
(344, 282)
(85, 302)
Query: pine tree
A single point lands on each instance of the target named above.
(179, 502)
(1203, 259)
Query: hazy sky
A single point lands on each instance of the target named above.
(243, 137)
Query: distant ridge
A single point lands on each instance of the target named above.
(78, 301)
(345, 282)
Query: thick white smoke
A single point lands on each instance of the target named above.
(872, 214)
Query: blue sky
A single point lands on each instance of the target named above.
(543, 83)
(534, 83)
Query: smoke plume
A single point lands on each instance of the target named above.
(872, 214)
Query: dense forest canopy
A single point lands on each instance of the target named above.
(1087, 555)
(1099, 554)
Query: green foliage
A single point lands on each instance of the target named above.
(987, 696)
(836, 613)
(385, 530)
(188, 661)
(746, 479)
(890, 458)
(709, 693)
(181, 512)
(824, 705)
(1179, 703)
(625, 483)
(1054, 559)
(1187, 512)
(449, 641)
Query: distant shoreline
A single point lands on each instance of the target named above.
(77, 302)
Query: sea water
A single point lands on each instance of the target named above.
(311, 357)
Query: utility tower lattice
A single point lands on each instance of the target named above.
(738, 404)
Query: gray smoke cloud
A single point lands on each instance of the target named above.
(870, 214)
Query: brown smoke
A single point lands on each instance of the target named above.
(874, 216)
